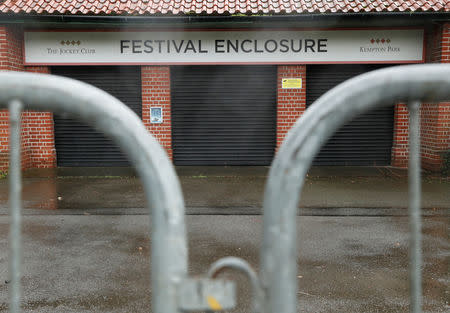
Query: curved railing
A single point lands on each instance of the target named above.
(411, 84)
(108, 115)
(275, 290)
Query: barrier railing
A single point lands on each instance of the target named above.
(275, 290)
(110, 116)
(411, 84)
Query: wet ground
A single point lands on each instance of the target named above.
(346, 264)
(233, 190)
(86, 239)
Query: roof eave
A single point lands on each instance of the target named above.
(311, 20)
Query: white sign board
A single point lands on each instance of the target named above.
(224, 47)
(156, 116)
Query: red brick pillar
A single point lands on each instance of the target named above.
(38, 148)
(400, 142)
(38, 128)
(11, 59)
(291, 103)
(156, 93)
(435, 117)
(11, 53)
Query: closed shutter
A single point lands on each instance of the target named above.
(79, 145)
(367, 140)
(223, 115)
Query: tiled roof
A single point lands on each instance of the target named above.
(148, 7)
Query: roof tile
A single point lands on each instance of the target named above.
(136, 7)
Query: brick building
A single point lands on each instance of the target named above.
(222, 82)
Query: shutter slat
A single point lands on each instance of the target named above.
(77, 144)
(367, 140)
(223, 115)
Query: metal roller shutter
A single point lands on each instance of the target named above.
(78, 145)
(367, 140)
(223, 115)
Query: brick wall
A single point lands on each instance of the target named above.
(11, 55)
(399, 154)
(435, 117)
(38, 149)
(445, 47)
(11, 38)
(39, 138)
(291, 103)
(434, 44)
(156, 93)
(435, 122)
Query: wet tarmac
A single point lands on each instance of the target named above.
(86, 238)
(346, 264)
(231, 190)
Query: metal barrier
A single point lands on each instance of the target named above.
(275, 289)
(409, 84)
(107, 114)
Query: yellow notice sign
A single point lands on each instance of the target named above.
(287, 83)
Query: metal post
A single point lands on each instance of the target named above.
(415, 222)
(15, 193)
